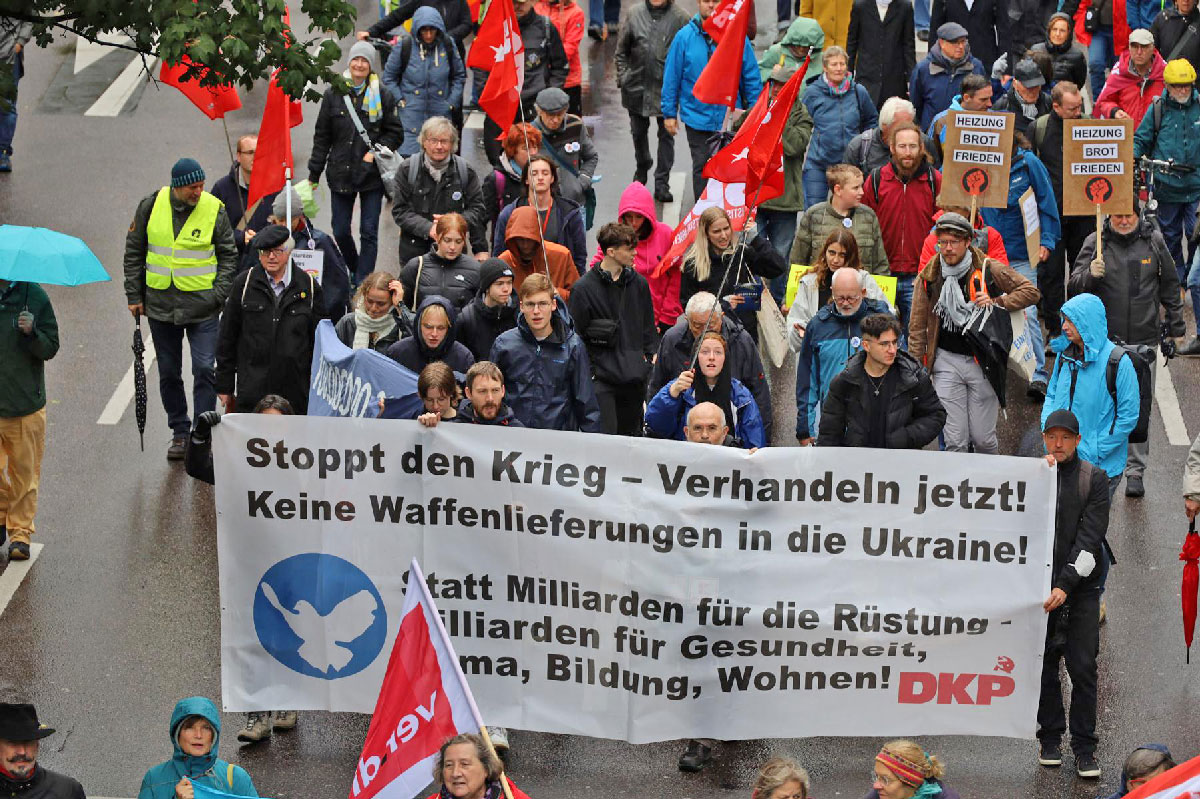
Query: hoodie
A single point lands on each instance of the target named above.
(803, 32)
(208, 770)
(1125, 90)
(1079, 383)
(414, 354)
(523, 224)
(664, 289)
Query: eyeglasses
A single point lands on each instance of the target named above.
(887, 345)
(537, 306)
(883, 779)
(443, 142)
(853, 298)
(245, 152)
(278, 252)
(944, 243)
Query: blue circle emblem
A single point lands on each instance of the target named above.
(320, 615)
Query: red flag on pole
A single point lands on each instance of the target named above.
(719, 81)
(423, 701)
(498, 49)
(273, 156)
(731, 197)
(1181, 782)
(718, 22)
(766, 148)
(214, 101)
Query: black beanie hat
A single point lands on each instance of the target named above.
(490, 271)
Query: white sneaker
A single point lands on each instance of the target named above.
(258, 728)
(283, 720)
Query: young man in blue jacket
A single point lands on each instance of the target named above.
(547, 375)
(690, 52)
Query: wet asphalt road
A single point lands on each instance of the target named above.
(119, 617)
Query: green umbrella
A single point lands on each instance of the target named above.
(38, 255)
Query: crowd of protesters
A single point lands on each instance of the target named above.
(494, 304)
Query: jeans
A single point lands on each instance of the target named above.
(1100, 58)
(698, 144)
(602, 11)
(1031, 321)
(621, 407)
(1193, 287)
(1141, 13)
(970, 401)
(1176, 221)
(921, 16)
(1073, 634)
(8, 111)
(904, 292)
(361, 262)
(779, 228)
(640, 127)
(816, 186)
(168, 347)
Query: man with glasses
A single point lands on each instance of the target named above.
(883, 398)
(268, 329)
(180, 258)
(547, 375)
(234, 191)
(955, 284)
(832, 338)
(975, 95)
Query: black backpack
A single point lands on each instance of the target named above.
(1141, 357)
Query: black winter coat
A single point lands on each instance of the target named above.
(43, 785)
(1070, 60)
(234, 195)
(1169, 29)
(1050, 151)
(915, 417)
(1027, 21)
(882, 53)
(457, 280)
(642, 43)
(338, 150)
(456, 14)
(416, 202)
(675, 354)
(1080, 525)
(414, 354)
(1012, 103)
(266, 345)
(761, 259)
(987, 24)
(545, 59)
(478, 325)
(622, 356)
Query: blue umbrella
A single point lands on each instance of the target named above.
(38, 255)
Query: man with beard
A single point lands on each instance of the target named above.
(938, 77)
(20, 774)
(484, 404)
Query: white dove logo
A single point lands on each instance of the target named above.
(349, 619)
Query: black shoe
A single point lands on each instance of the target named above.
(923, 35)
(613, 27)
(1087, 767)
(664, 196)
(18, 550)
(641, 177)
(598, 32)
(1050, 754)
(1134, 487)
(1037, 391)
(1191, 348)
(177, 449)
(695, 757)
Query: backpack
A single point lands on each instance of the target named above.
(877, 174)
(1140, 356)
(460, 166)
(1039, 133)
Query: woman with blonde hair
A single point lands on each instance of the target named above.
(781, 778)
(375, 321)
(715, 252)
(904, 770)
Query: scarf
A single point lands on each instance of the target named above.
(372, 103)
(928, 790)
(365, 325)
(492, 790)
(437, 170)
(952, 307)
(838, 89)
(721, 394)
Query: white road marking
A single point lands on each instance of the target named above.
(88, 52)
(1168, 406)
(118, 93)
(14, 573)
(671, 211)
(474, 121)
(123, 394)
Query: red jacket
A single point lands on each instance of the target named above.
(995, 242)
(568, 18)
(1129, 92)
(905, 212)
(1120, 26)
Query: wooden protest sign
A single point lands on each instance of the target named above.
(1097, 166)
(978, 155)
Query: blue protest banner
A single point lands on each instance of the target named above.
(348, 382)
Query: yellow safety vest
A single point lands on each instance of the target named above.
(189, 261)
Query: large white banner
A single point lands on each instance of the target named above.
(637, 589)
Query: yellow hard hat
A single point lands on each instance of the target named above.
(1179, 72)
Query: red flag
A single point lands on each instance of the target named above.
(718, 22)
(214, 101)
(499, 50)
(273, 154)
(718, 82)
(731, 197)
(766, 149)
(423, 701)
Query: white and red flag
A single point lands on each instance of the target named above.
(1181, 782)
(498, 49)
(423, 701)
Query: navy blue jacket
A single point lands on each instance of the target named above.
(412, 352)
(548, 383)
(935, 82)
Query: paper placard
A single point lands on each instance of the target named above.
(1097, 166)
(887, 284)
(1031, 222)
(793, 284)
(978, 154)
(311, 261)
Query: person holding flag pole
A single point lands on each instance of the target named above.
(426, 717)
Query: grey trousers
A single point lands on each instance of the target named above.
(971, 404)
(1135, 466)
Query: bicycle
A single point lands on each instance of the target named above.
(1147, 167)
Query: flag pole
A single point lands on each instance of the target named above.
(225, 124)
(415, 572)
(287, 199)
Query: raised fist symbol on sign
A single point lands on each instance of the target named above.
(975, 181)
(1099, 190)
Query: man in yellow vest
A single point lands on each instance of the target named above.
(180, 259)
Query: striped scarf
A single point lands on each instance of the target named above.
(372, 103)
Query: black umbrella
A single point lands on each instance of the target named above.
(990, 335)
(139, 381)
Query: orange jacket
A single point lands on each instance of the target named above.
(523, 224)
